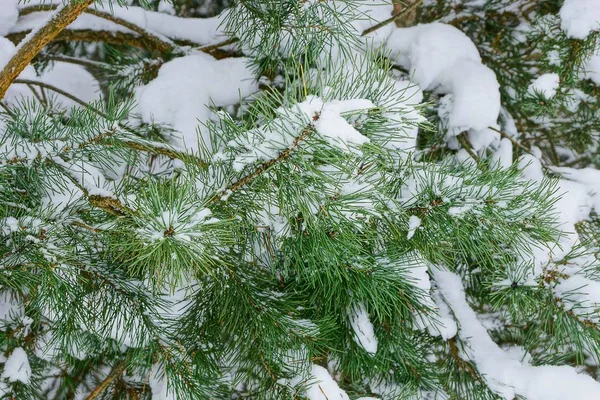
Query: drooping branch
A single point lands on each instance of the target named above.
(124, 38)
(153, 40)
(33, 43)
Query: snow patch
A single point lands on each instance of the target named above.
(546, 85)
(414, 223)
(444, 59)
(184, 89)
(364, 332)
(503, 374)
(16, 367)
(580, 17)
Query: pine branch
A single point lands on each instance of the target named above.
(263, 167)
(37, 39)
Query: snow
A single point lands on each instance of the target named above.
(476, 95)
(589, 178)
(591, 69)
(334, 127)
(11, 309)
(581, 296)
(364, 332)
(580, 17)
(8, 16)
(430, 51)
(503, 374)
(167, 27)
(503, 157)
(158, 384)
(184, 89)
(323, 386)
(73, 79)
(546, 85)
(442, 58)
(16, 368)
(414, 222)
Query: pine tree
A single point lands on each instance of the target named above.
(299, 199)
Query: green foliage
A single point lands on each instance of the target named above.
(231, 272)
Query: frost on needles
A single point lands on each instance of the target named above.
(291, 199)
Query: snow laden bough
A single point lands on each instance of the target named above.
(237, 236)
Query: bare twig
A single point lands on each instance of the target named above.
(91, 64)
(36, 40)
(464, 141)
(515, 142)
(393, 18)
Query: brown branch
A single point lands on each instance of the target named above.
(38, 39)
(164, 45)
(464, 141)
(143, 38)
(116, 371)
(89, 35)
(262, 167)
(393, 18)
(128, 39)
(513, 140)
(91, 64)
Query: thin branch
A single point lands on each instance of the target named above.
(515, 142)
(464, 141)
(125, 38)
(114, 374)
(393, 18)
(90, 35)
(91, 64)
(33, 44)
(212, 47)
(36, 94)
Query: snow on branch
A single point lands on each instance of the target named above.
(157, 31)
(503, 374)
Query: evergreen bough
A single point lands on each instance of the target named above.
(326, 234)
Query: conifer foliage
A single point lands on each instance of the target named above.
(299, 199)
